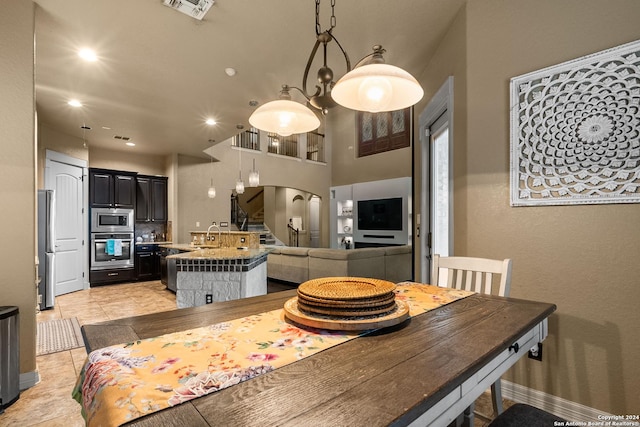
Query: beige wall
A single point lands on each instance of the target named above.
(450, 59)
(347, 168)
(17, 171)
(582, 258)
(145, 164)
(193, 180)
(50, 139)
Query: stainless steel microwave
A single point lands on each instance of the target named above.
(108, 220)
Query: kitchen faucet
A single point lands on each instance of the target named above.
(209, 231)
(228, 235)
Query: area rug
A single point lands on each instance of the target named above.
(58, 335)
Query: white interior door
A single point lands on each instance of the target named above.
(69, 225)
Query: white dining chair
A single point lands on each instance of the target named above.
(481, 275)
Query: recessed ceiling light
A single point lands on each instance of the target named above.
(106, 128)
(75, 103)
(130, 144)
(88, 55)
(230, 71)
(210, 122)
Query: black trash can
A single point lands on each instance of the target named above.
(9, 356)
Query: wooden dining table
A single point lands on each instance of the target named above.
(423, 372)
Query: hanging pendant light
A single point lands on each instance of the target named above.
(284, 117)
(211, 192)
(254, 176)
(375, 86)
(239, 182)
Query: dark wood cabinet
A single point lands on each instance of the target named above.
(112, 189)
(151, 199)
(147, 262)
(124, 187)
(107, 277)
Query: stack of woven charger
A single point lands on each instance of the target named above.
(346, 303)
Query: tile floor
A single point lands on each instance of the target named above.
(49, 403)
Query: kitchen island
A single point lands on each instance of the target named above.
(205, 275)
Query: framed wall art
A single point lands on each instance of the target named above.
(382, 132)
(575, 131)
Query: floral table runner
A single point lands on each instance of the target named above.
(123, 382)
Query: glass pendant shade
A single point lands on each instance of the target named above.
(211, 192)
(377, 87)
(284, 117)
(239, 186)
(254, 178)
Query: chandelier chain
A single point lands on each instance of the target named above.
(333, 17)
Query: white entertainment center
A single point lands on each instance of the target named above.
(375, 213)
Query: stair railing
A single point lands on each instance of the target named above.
(293, 235)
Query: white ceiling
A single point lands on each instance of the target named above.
(160, 73)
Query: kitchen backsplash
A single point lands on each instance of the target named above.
(145, 231)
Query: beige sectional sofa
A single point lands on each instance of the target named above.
(297, 265)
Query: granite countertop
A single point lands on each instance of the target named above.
(216, 253)
(224, 231)
(179, 246)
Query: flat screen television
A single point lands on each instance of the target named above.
(380, 214)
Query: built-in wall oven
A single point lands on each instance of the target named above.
(112, 250)
(112, 242)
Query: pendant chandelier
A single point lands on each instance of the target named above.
(371, 86)
(254, 176)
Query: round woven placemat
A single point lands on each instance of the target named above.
(346, 312)
(398, 315)
(345, 288)
(349, 303)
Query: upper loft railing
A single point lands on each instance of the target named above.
(315, 146)
(288, 145)
(249, 139)
(283, 145)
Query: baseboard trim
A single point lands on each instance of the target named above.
(570, 411)
(29, 379)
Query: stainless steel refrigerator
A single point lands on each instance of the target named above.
(46, 249)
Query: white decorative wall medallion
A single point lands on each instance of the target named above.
(575, 131)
